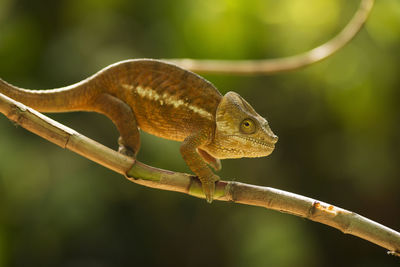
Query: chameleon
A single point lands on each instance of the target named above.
(167, 101)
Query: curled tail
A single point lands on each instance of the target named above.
(70, 98)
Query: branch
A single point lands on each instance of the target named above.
(346, 221)
(268, 66)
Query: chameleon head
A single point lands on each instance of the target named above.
(240, 130)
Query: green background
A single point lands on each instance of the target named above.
(338, 123)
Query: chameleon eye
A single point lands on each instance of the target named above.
(247, 126)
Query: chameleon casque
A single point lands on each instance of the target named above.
(167, 101)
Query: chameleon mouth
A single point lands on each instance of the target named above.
(256, 141)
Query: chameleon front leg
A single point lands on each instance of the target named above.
(213, 162)
(124, 119)
(197, 164)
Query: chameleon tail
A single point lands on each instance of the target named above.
(54, 100)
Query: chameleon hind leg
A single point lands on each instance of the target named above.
(124, 119)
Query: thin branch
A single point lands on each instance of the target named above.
(346, 221)
(268, 66)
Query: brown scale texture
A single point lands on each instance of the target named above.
(158, 117)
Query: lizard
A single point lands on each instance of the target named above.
(167, 101)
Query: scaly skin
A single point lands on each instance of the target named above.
(167, 101)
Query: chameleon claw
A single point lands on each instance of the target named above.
(124, 149)
(209, 189)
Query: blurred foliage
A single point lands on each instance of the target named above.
(338, 123)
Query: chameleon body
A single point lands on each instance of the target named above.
(167, 101)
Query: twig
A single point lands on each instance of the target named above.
(137, 172)
(268, 66)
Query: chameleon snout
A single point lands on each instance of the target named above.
(274, 138)
(270, 137)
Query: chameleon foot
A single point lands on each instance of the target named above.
(209, 188)
(125, 150)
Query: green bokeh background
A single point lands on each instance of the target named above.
(338, 123)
